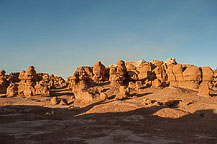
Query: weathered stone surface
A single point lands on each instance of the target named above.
(157, 63)
(54, 100)
(138, 85)
(99, 72)
(192, 77)
(83, 97)
(131, 85)
(117, 75)
(170, 61)
(123, 93)
(175, 75)
(103, 96)
(204, 90)
(207, 74)
(135, 63)
(32, 83)
(12, 90)
(41, 89)
(160, 73)
(156, 83)
(132, 72)
(192, 73)
(145, 71)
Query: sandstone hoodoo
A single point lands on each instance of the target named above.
(86, 81)
(99, 72)
(28, 83)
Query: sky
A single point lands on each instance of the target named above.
(57, 36)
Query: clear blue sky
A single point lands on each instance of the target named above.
(57, 36)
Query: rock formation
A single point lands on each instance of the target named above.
(3, 82)
(29, 84)
(117, 75)
(204, 90)
(99, 72)
(123, 93)
(12, 90)
(192, 77)
(170, 61)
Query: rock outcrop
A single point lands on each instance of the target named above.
(3, 82)
(99, 72)
(117, 75)
(29, 84)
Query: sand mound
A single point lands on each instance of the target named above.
(177, 90)
(170, 113)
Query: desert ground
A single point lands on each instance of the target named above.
(151, 115)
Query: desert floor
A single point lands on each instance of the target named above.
(158, 116)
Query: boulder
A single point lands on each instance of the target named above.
(204, 90)
(83, 97)
(207, 74)
(192, 73)
(192, 77)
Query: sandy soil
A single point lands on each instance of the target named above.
(149, 116)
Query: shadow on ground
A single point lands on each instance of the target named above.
(36, 124)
